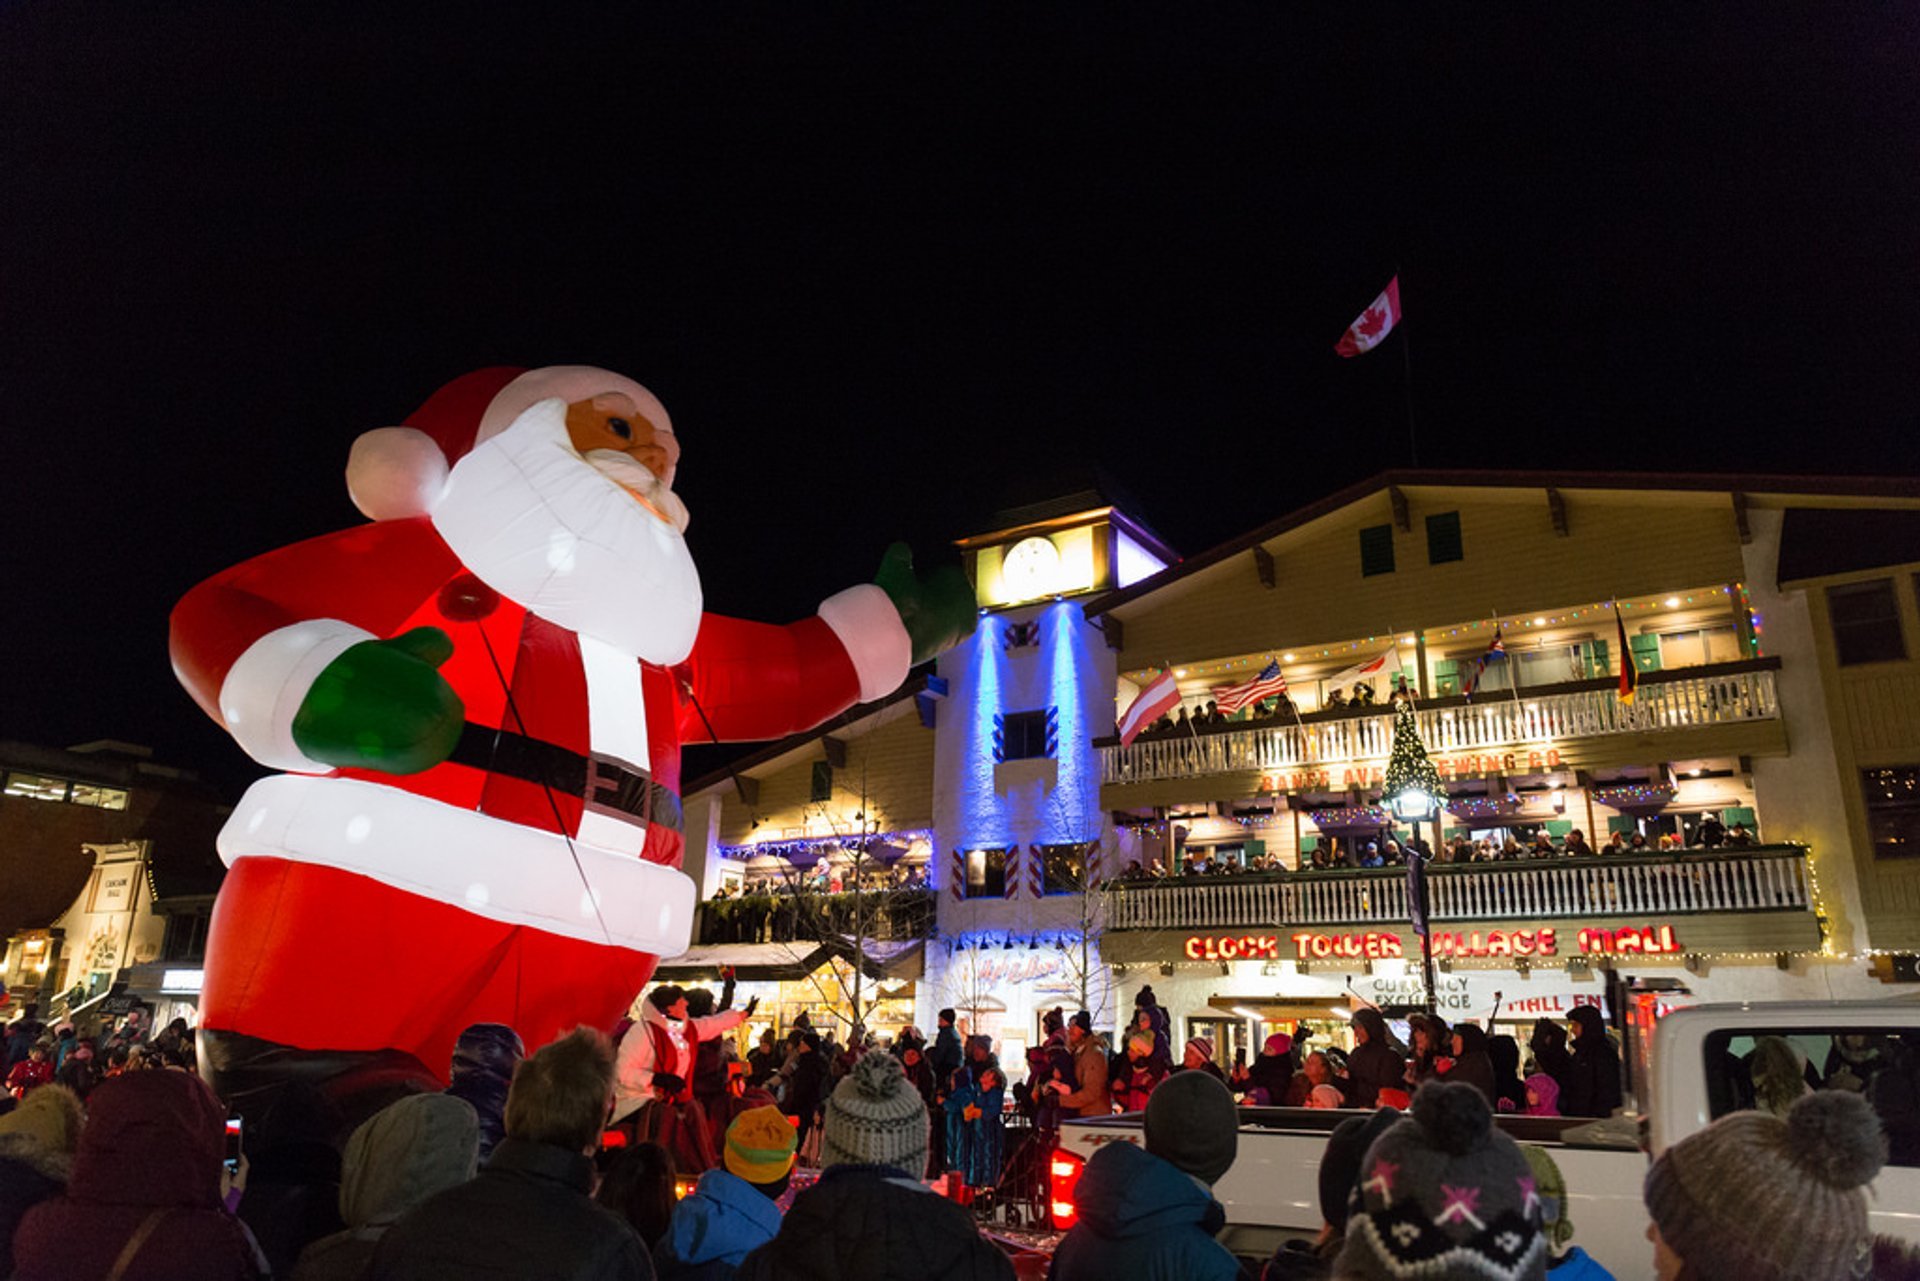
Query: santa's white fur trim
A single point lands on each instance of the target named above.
(865, 621)
(493, 868)
(396, 472)
(267, 683)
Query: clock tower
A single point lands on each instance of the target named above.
(1072, 546)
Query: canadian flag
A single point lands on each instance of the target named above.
(1373, 324)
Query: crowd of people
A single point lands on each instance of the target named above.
(1378, 849)
(659, 1152)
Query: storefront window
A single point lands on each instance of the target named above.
(1064, 868)
(106, 798)
(987, 873)
(37, 787)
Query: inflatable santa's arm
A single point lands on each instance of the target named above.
(249, 644)
(756, 681)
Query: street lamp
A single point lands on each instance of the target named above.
(1413, 793)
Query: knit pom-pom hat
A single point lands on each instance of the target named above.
(875, 1117)
(1761, 1197)
(1444, 1194)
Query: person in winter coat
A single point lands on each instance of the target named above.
(1374, 1064)
(1764, 1198)
(31, 1072)
(1470, 1063)
(1153, 1020)
(483, 1061)
(975, 1128)
(945, 1056)
(1139, 1073)
(1543, 1096)
(1431, 1041)
(870, 1218)
(1509, 1094)
(37, 1140)
(400, 1156)
(1198, 1057)
(1088, 1095)
(529, 1212)
(1549, 1046)
(666, 1041)
(806, 1082)
(149, 1166)
(81, 1070)
(1563, 1264)
(1592, 1084)
(732, 1211)
(1146, 1214)
(1270, 1079)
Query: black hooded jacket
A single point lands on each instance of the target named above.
(871, 1223)
(1375, 1066)
(1592, 1087)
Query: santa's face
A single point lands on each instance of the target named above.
(613, 421)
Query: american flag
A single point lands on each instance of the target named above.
(1231, 698)
(1497, 650)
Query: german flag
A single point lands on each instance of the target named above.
(1629, 675)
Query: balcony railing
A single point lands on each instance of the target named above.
(886, 915)
(1722, 695)
(1763, 879)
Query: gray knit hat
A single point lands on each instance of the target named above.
(1444, 1194)
(1192, 1125)
(1756, 1196)
(875, 1117)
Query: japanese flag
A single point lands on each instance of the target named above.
(1373, 325)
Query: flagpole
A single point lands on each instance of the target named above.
(1406, 362)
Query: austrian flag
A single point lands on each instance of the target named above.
(1373, 324)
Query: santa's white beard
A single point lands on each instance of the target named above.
(568, 538)
(638, 479)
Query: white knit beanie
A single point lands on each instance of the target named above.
(876, 1117)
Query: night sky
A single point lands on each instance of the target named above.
(893, 267)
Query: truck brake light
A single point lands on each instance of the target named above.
(1063, 1181)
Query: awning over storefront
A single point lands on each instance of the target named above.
(903, 959)
(752, 962)
(1285, 1009)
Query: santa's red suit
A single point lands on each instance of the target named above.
(531, 878)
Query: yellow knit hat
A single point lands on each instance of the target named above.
(760, 1145)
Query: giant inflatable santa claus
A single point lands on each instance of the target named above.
(477, 703)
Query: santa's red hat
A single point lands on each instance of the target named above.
(396, 472)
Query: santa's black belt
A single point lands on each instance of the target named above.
(602, 782)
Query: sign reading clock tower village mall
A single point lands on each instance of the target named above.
(1654, 939)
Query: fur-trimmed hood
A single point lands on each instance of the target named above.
(36, 1156)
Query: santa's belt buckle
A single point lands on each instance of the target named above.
(623, 791)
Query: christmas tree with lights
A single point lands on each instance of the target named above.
(1408, 768)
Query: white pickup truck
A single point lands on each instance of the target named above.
(1679, 1073)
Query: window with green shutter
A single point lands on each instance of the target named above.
(1622, 824)
(1446, 677)
(1376, 550)
(1646, 652)
(1443, 538)
(822, 785)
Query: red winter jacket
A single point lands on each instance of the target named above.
(153, 1141)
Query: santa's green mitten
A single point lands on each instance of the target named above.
(383, 705)
(938, 612)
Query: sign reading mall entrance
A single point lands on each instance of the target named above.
(1634, 940)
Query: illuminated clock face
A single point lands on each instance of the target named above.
(1031, 568)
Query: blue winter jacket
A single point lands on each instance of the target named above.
(1142, 1220)
(719, 1224)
